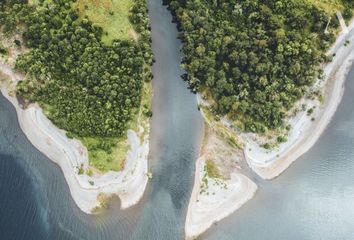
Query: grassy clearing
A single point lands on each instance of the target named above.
(111, 15)
(106, 154)
(329, 6)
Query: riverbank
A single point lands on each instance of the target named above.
(88, 192)
(306, 129)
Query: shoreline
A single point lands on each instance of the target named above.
(305, 133)
(269, 164)
(204, 211)
(129, 184)
(212, 198)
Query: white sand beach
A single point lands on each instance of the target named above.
(215, 200)
(69, 154)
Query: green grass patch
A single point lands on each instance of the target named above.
(329, 6)
(3, 50)
(106, 154)
(143, 114)
(212, 169)
(111, 15)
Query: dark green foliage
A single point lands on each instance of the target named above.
(17, 42)
(139, 18)
(348, 13)
(348, 3)
(12, 12)
(281, 139)
(310, 111)
(3, 51)
(256, 58)
(86, 87)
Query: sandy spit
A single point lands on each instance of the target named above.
(69, 154)
(206, 209)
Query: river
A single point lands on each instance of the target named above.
(313, 199)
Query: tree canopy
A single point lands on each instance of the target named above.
(255, 58)
(85, 86)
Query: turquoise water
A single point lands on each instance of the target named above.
(313, 199)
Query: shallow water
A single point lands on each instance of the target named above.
(313, 199)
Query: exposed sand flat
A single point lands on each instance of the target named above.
(215, 200)
(305, 132)
(69, 154)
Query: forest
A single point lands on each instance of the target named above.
(254, 59)
(88, 88)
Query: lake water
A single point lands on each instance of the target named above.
(313, 199)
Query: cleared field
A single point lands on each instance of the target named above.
(111, 15)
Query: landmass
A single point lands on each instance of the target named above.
(268, 83)
(78, 74)
(269, 76)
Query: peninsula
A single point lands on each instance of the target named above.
(269, 76)
(78, 74)
(268, 83)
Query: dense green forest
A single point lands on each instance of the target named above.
(254, 58)
(87, 87)
(93, 89)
